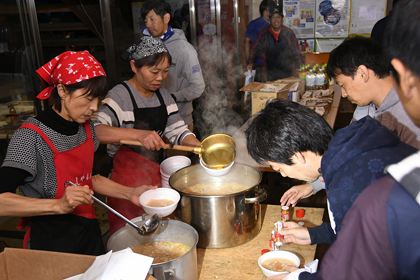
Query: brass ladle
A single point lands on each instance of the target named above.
(218, 151)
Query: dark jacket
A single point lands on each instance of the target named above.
(355, 154)
(279, 58)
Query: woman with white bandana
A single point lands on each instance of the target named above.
(138, 109)
(58, 146)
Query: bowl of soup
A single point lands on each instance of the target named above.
(275, 262)
(161, 201)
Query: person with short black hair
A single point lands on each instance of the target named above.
(185, 80)
(298, 143)
(359, 67)
(278, 47)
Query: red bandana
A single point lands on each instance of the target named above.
(69, 68)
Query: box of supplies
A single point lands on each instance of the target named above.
(261, 93)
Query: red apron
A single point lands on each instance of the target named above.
(73, 165)
(136, 166)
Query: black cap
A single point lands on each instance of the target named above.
(278, 9)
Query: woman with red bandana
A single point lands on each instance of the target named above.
(57, 146)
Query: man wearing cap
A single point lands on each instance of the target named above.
(278, 46)
(185, 81)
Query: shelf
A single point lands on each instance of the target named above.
(71, 42)
(62, 26)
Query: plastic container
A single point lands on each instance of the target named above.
(310, 80)
(285, 214)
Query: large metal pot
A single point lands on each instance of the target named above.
(221, 221)
(182, 268)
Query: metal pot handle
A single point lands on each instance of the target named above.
(163, 274)
(262, 195)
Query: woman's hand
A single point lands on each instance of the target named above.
(294, 233)
(74, 196)
(150, 140)
(137, 192)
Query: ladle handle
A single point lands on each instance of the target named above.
(110, 209)
(196, 150)
(115, 212)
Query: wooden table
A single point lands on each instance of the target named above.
(241, 262)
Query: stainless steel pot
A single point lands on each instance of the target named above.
(182, 268)
(221, 221)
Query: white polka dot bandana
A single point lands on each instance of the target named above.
(69, 68)
(146, 47)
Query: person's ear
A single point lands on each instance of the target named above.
(166, 18)
(133, 66)
(363, 72)
(408, 81)
(300, 157)
(61, 90)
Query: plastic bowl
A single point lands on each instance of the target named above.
(173, 164)
(160, 193)
(277, 254)
(216, 172)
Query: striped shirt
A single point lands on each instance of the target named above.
(117, 108)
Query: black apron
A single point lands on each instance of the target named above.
(135, 166)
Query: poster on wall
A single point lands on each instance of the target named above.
(332, 18)
(326, 45)
(364, 15)
(299, 16)
(306, 45)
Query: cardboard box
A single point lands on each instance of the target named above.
(22, 264)
(263, 92)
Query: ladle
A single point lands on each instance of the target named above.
(218, 151)
(149, 226)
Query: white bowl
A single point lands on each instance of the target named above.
(216, 172)
(159, 193)
(277, 254)
(173, 164)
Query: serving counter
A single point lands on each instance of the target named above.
(241, 262)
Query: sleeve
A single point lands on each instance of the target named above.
(116, 109)
(11, 178)
(362, 249)
(176, 129)
(256, 49)
(297, 55)
(317, 185)
(192, 70)
(322, 234)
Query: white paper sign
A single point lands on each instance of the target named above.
(364, 15)
(299, 15)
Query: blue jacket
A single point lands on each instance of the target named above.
(354, 155)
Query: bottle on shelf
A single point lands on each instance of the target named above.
(320, 81)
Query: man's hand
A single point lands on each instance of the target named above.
(294, 233)
(296, 193)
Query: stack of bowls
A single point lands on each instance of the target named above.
(171, 165)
